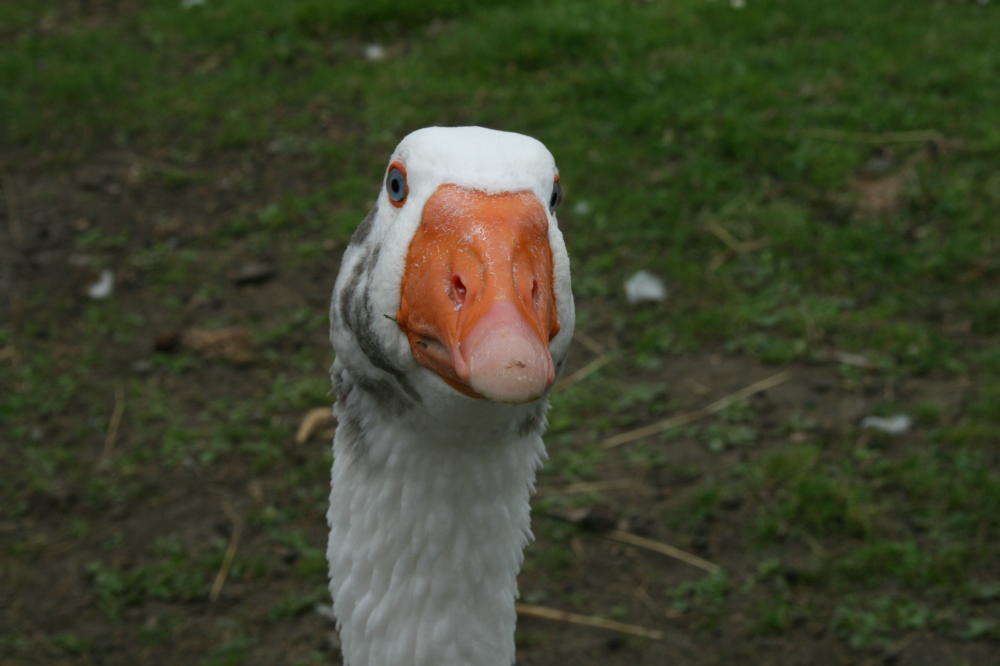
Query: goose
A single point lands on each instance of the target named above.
(450, 318)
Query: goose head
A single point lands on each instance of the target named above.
(456, 287)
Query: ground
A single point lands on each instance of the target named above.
(816, 185)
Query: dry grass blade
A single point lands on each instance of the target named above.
(227, 559)
(733, 243)
(582, 373)
(114, 424)
(545, 613)
(688, 417)
(723, 235)
(593, 345)
(734, 246)
(664, 549)
(315, 418)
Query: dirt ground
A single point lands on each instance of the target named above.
(110, 503)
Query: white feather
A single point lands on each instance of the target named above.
(429, 511)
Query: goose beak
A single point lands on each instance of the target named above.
(477, 302)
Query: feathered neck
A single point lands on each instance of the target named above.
(428, 522)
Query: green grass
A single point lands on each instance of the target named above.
(258, 132)
(172, 573)
(863, 622)
(709, 118)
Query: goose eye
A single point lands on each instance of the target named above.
(395, 185)
(556, 195)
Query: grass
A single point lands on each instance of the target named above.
(810, 180)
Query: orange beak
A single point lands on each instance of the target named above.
(477, 301)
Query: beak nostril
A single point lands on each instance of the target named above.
(536, 297)
(457, 291)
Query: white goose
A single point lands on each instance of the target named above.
(450, 319)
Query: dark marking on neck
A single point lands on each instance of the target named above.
(356, 314)
(365, 228)
(385, 395)
(351, 432)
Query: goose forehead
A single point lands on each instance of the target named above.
(476, 157)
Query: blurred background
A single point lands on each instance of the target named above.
(812, 189)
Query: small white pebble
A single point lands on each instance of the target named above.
(645, 287)
(849, 358)
(374, 52)
(893, 425)
(103, 287)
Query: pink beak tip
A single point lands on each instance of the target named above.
(507, 362)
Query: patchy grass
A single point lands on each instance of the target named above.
(816, 184)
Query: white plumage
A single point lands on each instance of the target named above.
(429, 504)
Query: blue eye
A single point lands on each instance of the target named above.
(556, 197)
(395, 184)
